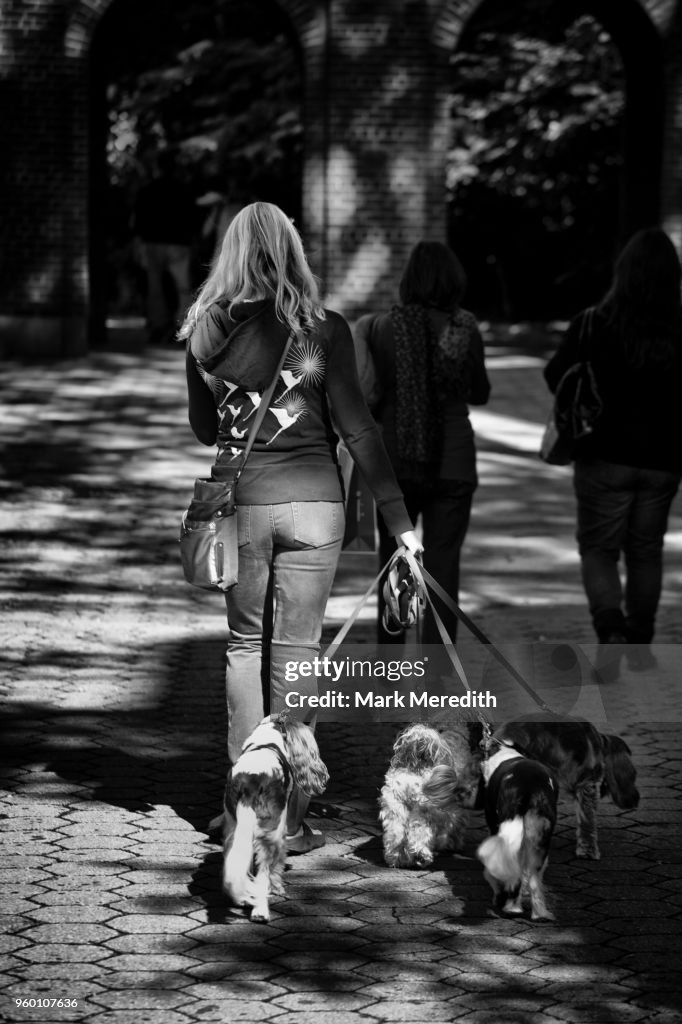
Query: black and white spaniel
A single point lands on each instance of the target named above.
(588, 764)
(520, 808)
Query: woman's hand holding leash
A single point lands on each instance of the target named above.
(411, 542)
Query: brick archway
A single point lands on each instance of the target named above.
(376, 124)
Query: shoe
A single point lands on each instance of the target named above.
(610, 650)
(305, 840)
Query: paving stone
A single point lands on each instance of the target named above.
(422, 1011)
(312, 960)
(217, 971)
(141, 999)
(238, 986)
(154, 923)
(151, 1016)
(234, 1010)
(142, 943)
(505, 1004)
(410, 990)
(61, 972)
(593, 1013)
(322, 1017)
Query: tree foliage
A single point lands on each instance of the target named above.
(533, 171)
(219, 84)
(532, 174)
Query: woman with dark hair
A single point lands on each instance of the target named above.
(428, 360)
(628, 470)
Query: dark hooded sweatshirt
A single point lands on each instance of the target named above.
(231, 360)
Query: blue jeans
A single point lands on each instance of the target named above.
(623, 509)
(287, 561)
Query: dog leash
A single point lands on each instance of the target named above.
(419, 572)
(402, 552)
(426, 580)
(350, 621)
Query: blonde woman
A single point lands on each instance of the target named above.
(290, 501)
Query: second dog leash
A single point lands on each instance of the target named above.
(343, 631)
(428, 581)
(418, 572)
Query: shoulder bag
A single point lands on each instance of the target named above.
(209, 547)
(577, 405)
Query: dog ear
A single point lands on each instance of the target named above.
(309, 771)
(441, 786)
(513, 733)
(620, 774)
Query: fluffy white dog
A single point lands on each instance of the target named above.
(432, 780)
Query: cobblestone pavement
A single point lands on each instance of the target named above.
(114, 752)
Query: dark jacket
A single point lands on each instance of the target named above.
(231, 360)
(641, 421)
(458, 452)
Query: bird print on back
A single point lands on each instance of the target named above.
(304, 369)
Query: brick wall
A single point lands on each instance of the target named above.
(376, 131)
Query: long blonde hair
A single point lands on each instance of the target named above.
(261, 256)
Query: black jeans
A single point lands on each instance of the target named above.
(623, 509)
(445, 509)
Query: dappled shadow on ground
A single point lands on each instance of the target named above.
(114, 678)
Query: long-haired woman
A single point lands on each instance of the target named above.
(290, 503)
(628, 470)
(428, 361)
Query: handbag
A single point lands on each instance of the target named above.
(360, 531)
(209, 548)
(577, 406)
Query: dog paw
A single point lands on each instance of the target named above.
(542, 915)
(587, 853)
(260, 915)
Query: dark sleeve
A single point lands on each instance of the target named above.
(358, 429)
(566, 356)
(479, 384)
(367, 375)
(203, 415)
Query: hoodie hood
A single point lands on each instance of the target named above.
(251, 342)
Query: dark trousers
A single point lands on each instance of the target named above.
(622, 509)
(445, 510)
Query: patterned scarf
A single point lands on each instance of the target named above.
(429, 368)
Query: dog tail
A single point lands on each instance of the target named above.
(501, 854)
(620, 774)
(238, 854)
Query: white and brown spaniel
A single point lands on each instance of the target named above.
(278, 755)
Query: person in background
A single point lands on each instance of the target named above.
(289, 501)
(427, 366)
(164, 223)
(628, 471)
